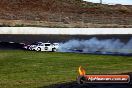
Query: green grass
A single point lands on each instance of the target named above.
(27, 69)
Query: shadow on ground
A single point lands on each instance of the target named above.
(104, 85)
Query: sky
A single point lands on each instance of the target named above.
(124, 2)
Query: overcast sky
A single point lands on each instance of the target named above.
(124, 2)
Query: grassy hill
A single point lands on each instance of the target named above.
(27, 69)
(68, 13)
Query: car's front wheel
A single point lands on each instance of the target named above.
(38, 49)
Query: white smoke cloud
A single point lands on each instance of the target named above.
(95, 45)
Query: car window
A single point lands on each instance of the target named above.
(40, 44)
(34, 44)
(47, 44)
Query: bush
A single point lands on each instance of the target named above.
(19, 25)
(124, 9)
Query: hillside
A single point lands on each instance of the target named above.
(63, 13)
(34, 9)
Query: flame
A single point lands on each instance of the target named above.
(81, 70)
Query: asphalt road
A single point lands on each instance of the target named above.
(14, 41)
(58, 38)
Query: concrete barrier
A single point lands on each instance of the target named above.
(64, 31)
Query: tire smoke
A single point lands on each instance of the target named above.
(94, 45)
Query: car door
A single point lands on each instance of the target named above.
(47, 47)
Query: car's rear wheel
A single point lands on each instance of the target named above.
(53, 50)
(38, 49)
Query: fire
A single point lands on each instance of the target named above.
(81, 70)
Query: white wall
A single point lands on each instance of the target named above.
(67, 31)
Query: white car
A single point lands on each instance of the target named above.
(46, 47)
(33, 45)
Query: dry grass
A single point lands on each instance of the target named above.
(63, 13)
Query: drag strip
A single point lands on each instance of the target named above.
(57, 38)
(20, 46)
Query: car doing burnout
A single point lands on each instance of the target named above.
(44, 46)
